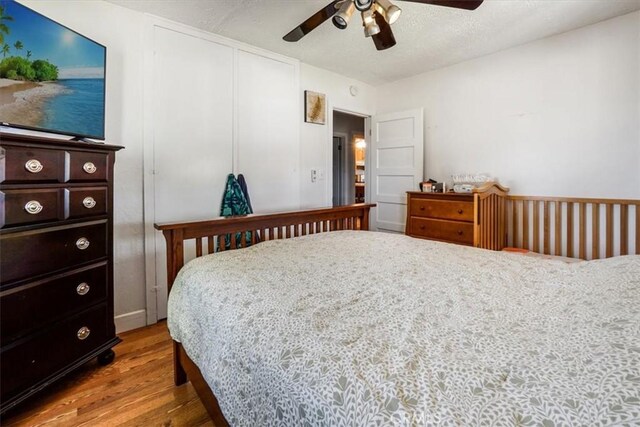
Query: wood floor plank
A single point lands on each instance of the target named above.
(135, 390)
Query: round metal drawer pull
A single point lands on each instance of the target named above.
(460, 211)
(89, 167)
(82, 243)
(33, 166)
(83, 288)
(459, 232)
(89, 202)
(83, 333)
(33, 207)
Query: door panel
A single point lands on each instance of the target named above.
(267, 151)
(337, 171)
(397, 148)
(193, 131)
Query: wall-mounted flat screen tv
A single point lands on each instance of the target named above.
(51, 78)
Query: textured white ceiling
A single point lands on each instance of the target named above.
(428, 37)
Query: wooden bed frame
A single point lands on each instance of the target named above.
(549, 225)
(572, 227)
(261, 228)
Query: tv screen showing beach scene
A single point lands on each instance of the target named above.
(51, 78)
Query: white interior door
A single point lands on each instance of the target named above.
(397, 147)
(192, 134)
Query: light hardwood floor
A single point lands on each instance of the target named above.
(135, 390)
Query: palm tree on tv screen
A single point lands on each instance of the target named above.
(4, 29)
(18, 45)
(5, 50)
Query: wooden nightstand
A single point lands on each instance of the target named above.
(473, 219)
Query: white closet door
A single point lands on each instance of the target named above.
(267, 145)
(192, 134)
(397, 158)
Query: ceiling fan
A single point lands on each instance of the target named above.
(377, 17)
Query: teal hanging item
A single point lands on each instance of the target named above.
(235, 203)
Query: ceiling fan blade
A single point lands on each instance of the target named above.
(310, 24)
(384, 39)
(458, 4)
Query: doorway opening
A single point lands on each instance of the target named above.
(349, 159)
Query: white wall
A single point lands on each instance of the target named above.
(121, 31)
(559, 116)
(316, 140)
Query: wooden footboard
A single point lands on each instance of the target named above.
(239, 232)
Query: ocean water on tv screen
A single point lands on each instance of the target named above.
(79, 109)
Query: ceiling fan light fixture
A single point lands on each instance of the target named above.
(363, 5)
(371, 28)
(342, 18)
(388, 10)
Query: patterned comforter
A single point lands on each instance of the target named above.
(363, 329)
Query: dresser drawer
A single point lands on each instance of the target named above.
(30, 206)
(36, 304)
(451, 231)
(31, 253)
(87, 166)
(84, 202)
(443, 209)
(28, 362)
(21, 164)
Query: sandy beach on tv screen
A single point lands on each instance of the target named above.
(22, 102)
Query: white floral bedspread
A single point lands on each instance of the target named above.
(363, 329)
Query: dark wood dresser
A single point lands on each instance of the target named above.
(56, 260)
(473, 219)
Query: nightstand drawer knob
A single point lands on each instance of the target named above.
(459, 232)
(460, 211)
(83, 333)
(421, 208)
(33, 207)
(422, 227)
(89, 167)
(33, 166)
(89, 202)
(82, 243)
(83, 288)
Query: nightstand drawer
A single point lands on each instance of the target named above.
(50, 299)
(32, 253)
(30, 206)
(27, 363)
(450, 231)
(84, 202)
(443, 209)
(31, 165)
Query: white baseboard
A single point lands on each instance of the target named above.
(128, 321)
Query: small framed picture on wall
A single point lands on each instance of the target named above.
(315, 106)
